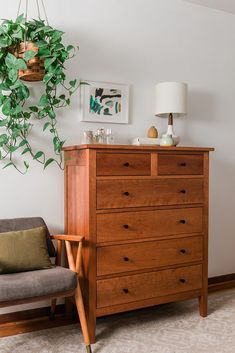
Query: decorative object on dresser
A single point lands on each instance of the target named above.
(29, 276)
(171, 99)
(144, 213)
(105, 102)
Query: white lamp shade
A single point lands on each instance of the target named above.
(171, 97)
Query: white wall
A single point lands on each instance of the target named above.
(142, 42)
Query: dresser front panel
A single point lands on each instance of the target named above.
(137, 256)
(180, 164)
(126, 289)
(157, 192)
(121, 226)
(123, 163)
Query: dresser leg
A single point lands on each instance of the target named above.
(203, 305)
(91, 323)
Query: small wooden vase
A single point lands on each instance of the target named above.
(152, 132)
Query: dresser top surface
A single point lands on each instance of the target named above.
(137, 148)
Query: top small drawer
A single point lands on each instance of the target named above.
(180, 164)
(123, 164)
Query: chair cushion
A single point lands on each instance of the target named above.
(15, 224)
(25, 250)
(31, 284)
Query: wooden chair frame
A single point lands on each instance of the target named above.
(75, 265)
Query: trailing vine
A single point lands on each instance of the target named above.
(17, 117)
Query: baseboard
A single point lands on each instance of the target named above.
(38, 319)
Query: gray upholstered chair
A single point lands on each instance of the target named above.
(52, 283)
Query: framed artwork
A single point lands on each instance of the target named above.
(104, 102)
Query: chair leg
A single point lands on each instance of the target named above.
(82, 317)
(53, 307)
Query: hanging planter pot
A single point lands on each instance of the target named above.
(32, 50)
(35, 67)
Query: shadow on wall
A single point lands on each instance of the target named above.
(202, 106)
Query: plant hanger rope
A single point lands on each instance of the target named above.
(38, 9)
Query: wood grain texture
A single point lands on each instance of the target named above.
(152, 254)
(180, 164)
(137, 193)
(148, 224)
(144, 211)
(123, 164)
(126, 289)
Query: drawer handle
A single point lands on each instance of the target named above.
(126, 193)
(125, 290)
(183, 164)
(127, 164)
(182, 280)
(125, 226)
(182, 221)
(183, 191)
(126, 258)
(183, 251)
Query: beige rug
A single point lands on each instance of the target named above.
(169, 328)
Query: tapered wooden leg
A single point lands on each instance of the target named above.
(82, 317)
(203, 305)
(53, 307)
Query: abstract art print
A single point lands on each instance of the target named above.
(104, 102)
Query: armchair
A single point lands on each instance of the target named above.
(27, 287)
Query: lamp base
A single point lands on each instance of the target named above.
(175, 138)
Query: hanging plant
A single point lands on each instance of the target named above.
(31, 51)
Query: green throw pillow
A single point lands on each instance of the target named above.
(24, 250)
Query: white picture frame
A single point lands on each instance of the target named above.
(104, 102)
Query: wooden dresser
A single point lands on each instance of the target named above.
(144, 213)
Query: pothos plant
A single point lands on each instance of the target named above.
(16, 120)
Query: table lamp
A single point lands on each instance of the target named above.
(171, 100)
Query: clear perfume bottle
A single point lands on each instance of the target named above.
(109, 137)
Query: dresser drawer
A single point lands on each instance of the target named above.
(180, 164)
(148, 224)
(126, 289)
(137, 256)
(137, 193)
(123, 164)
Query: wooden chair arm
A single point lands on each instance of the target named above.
(74, 265)
(68, 237)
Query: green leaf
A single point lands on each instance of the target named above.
(26, 150)
(6, 107)
(38, 155)
(20, 18)
(44, 100)
(48, 77)
(26, 164)
(3, 122)
(56, 35)
(29, 54)
(49, 161)
(13, 148)
(70, 47)
(23, 143)
(11, 61)
(51, 114)
(8, 165)
(46, 126)
(3, 140)
(62, 96)
(21, 65)
(13, 75)
(48, 62)
(73, 83)
(5, 41)
(34, 109)
(44, 52)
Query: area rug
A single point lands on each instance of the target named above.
(168, 328)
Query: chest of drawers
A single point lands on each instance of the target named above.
(144, 214)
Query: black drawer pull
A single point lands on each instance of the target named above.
(127, 164)
(183, 251)
(126, 193)
(183, 164)
(183, 191)
(125, 226)
(125, 290)
(126, 258)
(182, 221)
(182, 280)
